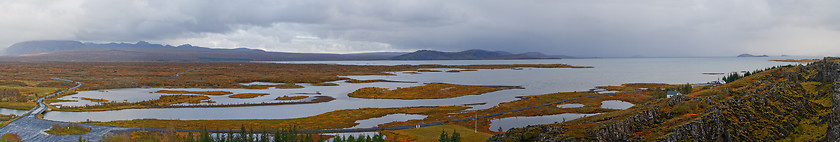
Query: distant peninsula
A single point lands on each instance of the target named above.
(474, 54)
(751, 55)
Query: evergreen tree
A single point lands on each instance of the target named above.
(204, 136)
(350, 139)
(455, 136)
(685, 89)
(190, 137)
(443, 137)
(277, 136)
(306, 138)
(242, 133)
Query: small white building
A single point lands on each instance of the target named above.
(672, 93)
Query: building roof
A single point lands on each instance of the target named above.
(673, 93)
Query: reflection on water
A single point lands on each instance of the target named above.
(518, 122)
(373, 122)
(614, 71)
(616, 104)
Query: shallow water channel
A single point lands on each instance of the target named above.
(609, 71)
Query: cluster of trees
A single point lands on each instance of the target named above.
(444, 137)
(684, 89)
(374, 138)
(735, 76)
(287, 135)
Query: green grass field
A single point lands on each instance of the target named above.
(431, 134)
(18, 105)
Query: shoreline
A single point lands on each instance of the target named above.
(317, 99)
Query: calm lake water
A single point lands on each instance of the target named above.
(608, 71)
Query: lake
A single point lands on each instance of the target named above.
(606, 71)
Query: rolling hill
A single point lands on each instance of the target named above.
(56, 50)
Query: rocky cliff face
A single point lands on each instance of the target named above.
(793, 103)
(830, 72)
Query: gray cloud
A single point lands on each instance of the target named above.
(580, 28)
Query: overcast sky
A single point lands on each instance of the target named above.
(604, 28)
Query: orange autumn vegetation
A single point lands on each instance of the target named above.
(324, 84)
(798, 61)
(247, 95)
(290, 98)
(428, 91)
(103, 75)
(95, 100)
(163, 101)
(194, 92)
(591, 105)
(330, 120)
(635, 86)
(364, 81)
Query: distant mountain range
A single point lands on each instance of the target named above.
(66, 50)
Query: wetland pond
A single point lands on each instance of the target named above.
(6, 111)
(536, 81)
(373, 122)
(616, 104)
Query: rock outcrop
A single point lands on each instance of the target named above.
(795, 103)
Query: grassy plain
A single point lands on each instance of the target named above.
(95, 100)
(194, 92)
(70, 129)
(291, 97)
(21, 95)
(6, 119)
(591, 105)
(19, 105)
(324, 84)
(247, 95)
(163, 101)
(330, 120)
(798, 61)
(428, 91)
(220, 75)
(431, 133)
(204, 75)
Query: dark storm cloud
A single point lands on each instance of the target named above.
(581, 28)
